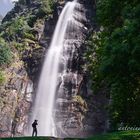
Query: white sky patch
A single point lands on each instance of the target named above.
(5, 2)
(8, 1)
(5, 6)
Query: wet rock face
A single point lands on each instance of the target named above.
(15, 100)
(78, 112)
(34, 61)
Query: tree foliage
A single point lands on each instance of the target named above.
(5, 53)
(47, 6)
(2, 77)
(114, 57)
(15, 29)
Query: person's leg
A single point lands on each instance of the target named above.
(35, 132)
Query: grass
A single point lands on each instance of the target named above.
(122, 135)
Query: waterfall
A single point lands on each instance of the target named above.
(43, 109)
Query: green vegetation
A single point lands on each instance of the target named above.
(114, 58)
(130, 135)
(19, 33)
(127, 135)
(5, 53)
(2, 77)
(47, 6)
(15, 29)
(45, 10)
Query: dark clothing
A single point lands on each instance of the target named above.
(34, 132)
(34, 124)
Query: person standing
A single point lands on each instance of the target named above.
(34, 124)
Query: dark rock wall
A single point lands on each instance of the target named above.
(71, 108)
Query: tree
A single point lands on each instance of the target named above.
(117, 59)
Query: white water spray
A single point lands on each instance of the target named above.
(44, 103)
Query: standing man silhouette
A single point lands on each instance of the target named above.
(34, 124)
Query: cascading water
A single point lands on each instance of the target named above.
(44, 103)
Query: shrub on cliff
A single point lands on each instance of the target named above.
(47, 6)
(5, 53)
(14, 29)
(2, 77)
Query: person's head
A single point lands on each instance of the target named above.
(35, 120)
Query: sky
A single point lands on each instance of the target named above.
(5, 6)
